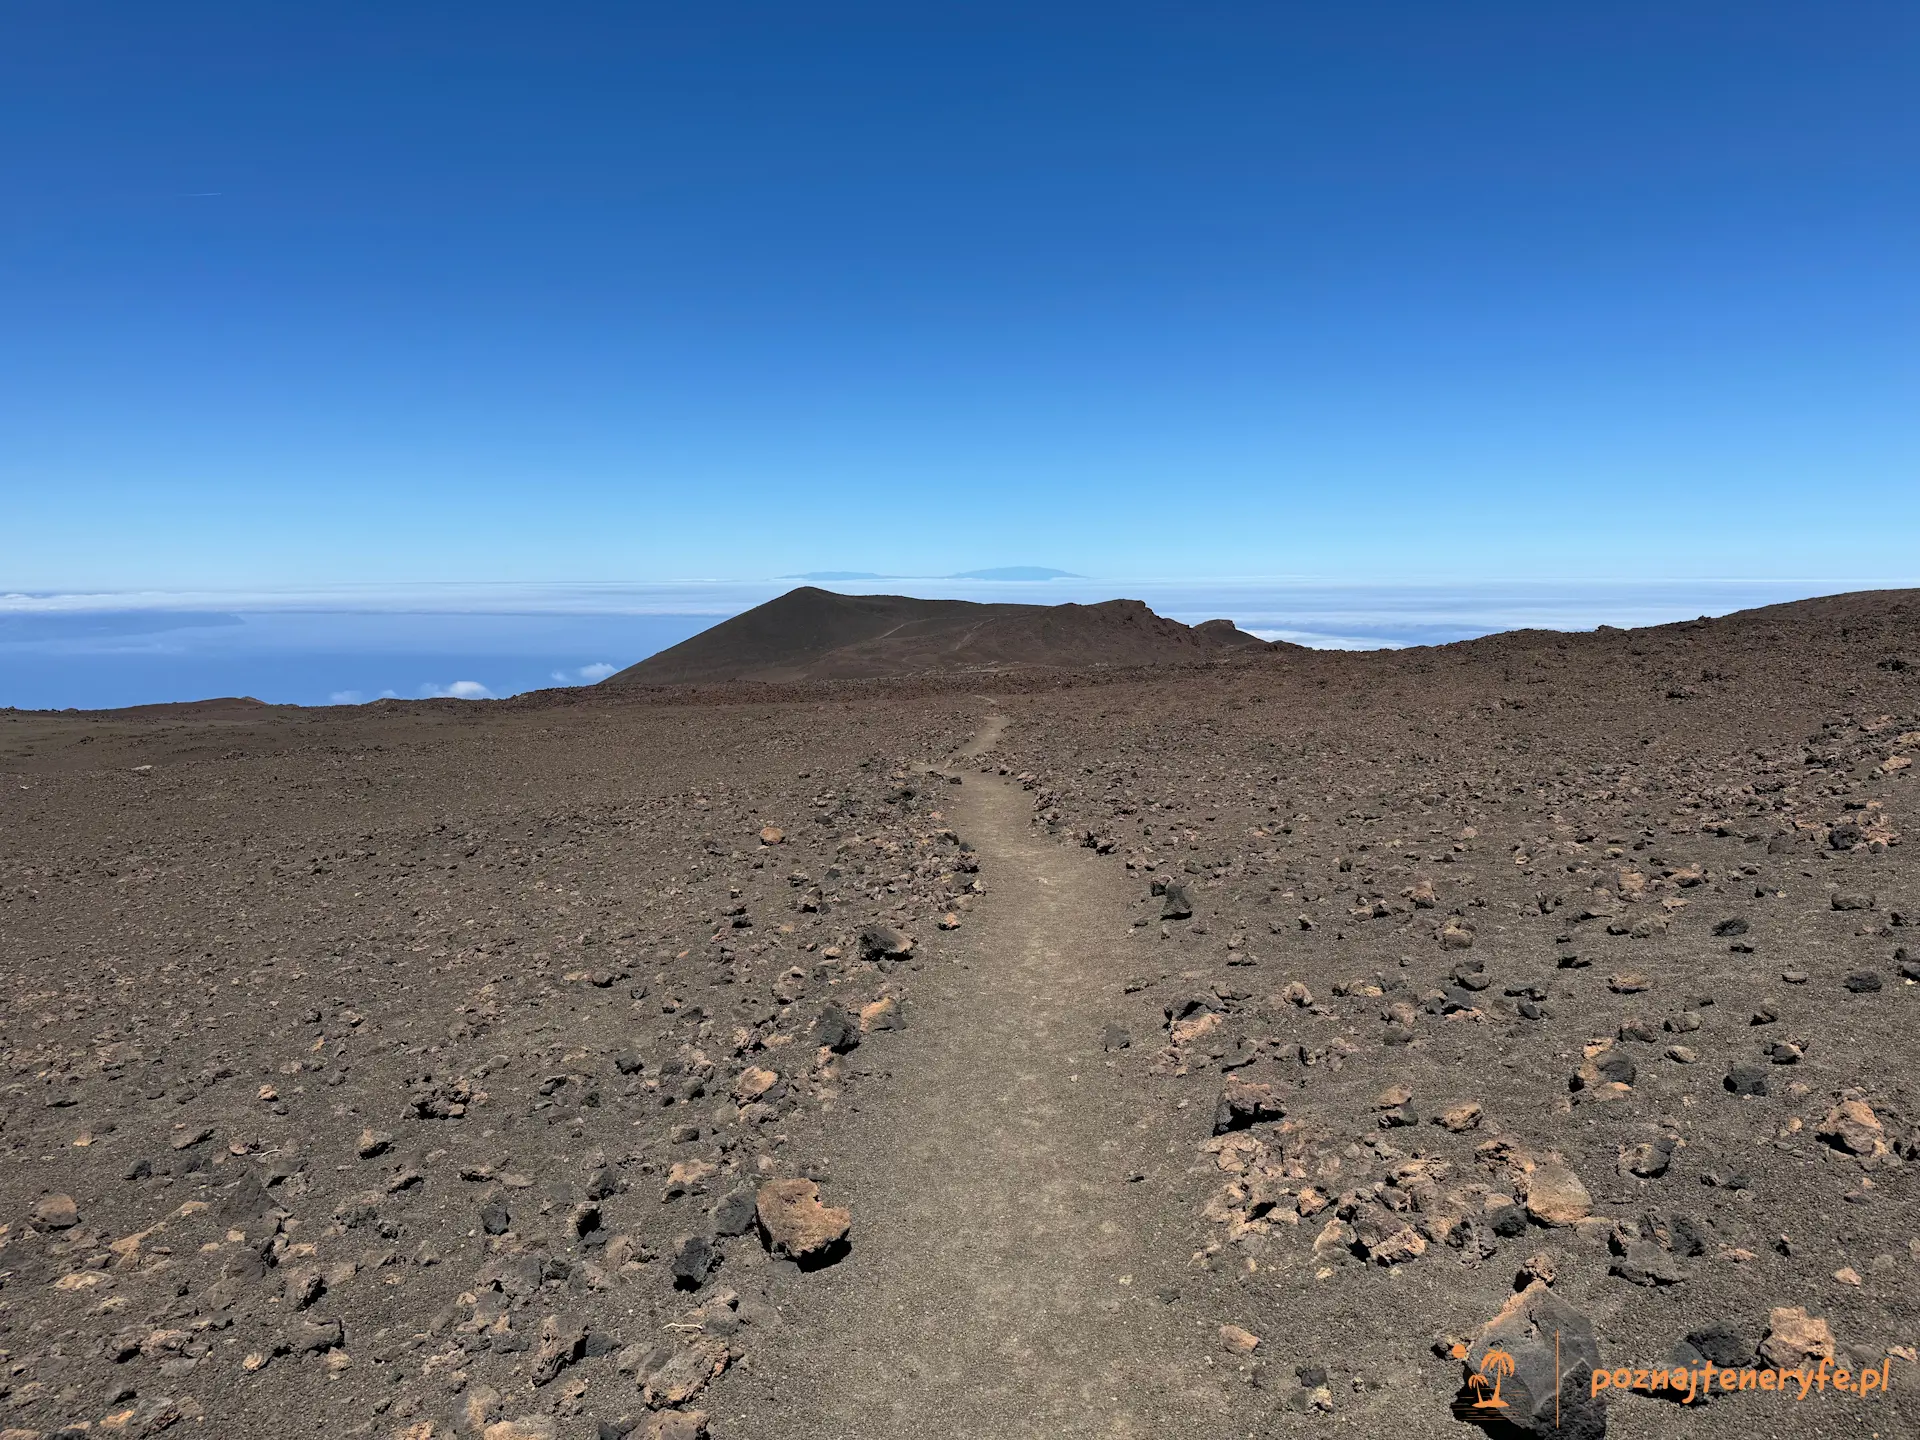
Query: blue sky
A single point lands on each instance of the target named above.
(297, 295)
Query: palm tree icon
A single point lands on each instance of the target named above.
(1498, 1364)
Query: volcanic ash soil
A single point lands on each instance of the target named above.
(1238, 1048)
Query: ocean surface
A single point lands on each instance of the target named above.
(348, 645)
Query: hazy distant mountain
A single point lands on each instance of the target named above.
(812, 634)
(1003, 572)
(1016, 572)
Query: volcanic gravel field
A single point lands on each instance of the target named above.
(1241, 1048)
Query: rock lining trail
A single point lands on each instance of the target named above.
(1007, 1278)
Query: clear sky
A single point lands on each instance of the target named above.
(370, 292)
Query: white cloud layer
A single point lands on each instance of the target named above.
(585, 675)
(458, 690)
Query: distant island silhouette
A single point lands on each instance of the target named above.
(1002, 572)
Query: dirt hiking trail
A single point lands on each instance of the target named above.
(1008, 1277)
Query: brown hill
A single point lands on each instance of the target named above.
(813, 634)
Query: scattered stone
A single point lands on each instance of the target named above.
(1794, 1337)
(1604, 1065)
(1853, 1127)
(1556, 1196)
(562, 1341)
(736, 1213)
(1334, 1242)
(836, 1030)
(56, 1212)
(753, 1084)
(1176, 903)
(1459, 1117)
(681, 1374)
(1243, 1103)
(1645, 1263)
(693, 1260)
(1648, 1159)
(1238, 1341)
(884, 942)
(495, 1218)
(797, 1226)
(311, 1337)
(1508, 1221)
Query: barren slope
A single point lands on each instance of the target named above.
(385, 1071)
(811, 634)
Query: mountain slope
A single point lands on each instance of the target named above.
(813, 634)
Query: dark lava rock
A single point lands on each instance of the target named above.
(1722, 1344)
(1509, 1221)
(310, 1337)
(494, 1219)
(735, 1214)
(836, 1030)
(693, 1260)
(883, 942)
(1527, 1329)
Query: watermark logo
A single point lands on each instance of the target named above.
(1482, 1400)
(1688, 1383)
(1497, 1364)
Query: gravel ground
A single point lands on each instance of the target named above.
(1221, 1056)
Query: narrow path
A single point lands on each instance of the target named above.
(1008, 1278)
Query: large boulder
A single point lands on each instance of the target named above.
(1529, 1370)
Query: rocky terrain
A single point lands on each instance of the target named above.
(1240, 1047)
